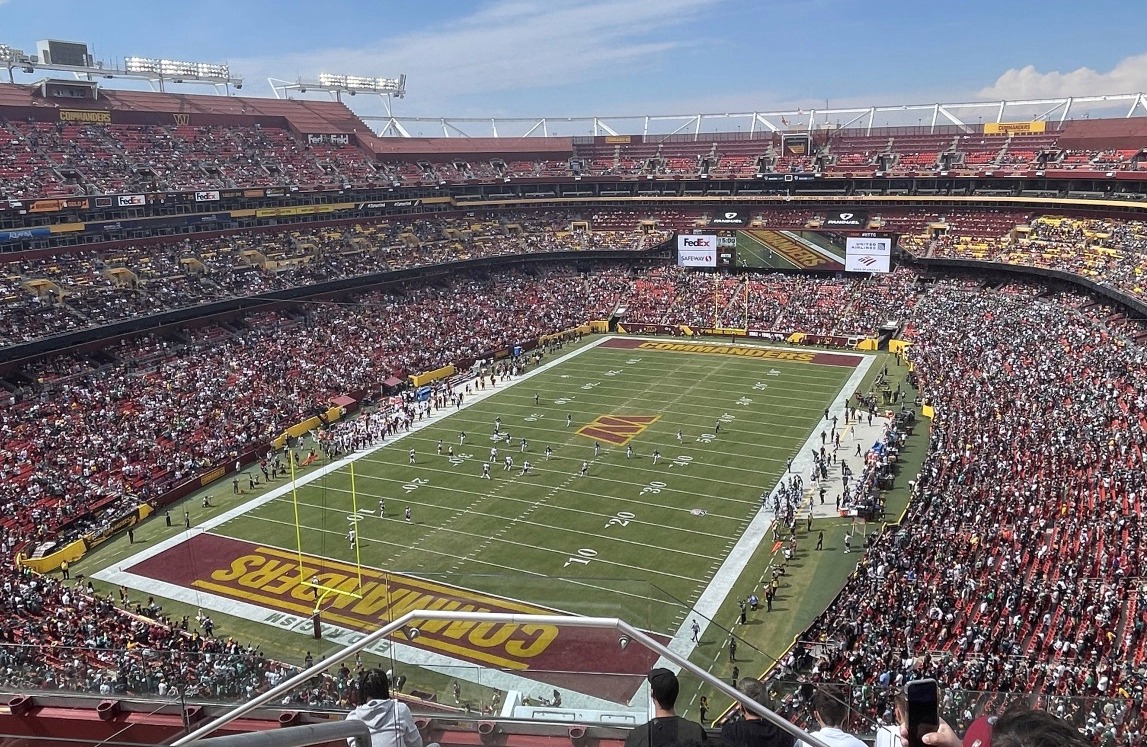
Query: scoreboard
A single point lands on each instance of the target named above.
(706, 248)
(726, 248)
(786, 249)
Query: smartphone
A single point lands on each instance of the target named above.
(923, 710)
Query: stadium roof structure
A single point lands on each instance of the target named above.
(154, 71)
(965, 116)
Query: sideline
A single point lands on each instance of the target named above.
(707, 605)
(737, 561)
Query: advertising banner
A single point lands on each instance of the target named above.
(125, 520)
(867, 254)
(51, 206)
(131, 200)
(730, 218)
(697, 251)
(24, 233)
(388, 204)
(209, 195)
(788, 177)
(846, 219)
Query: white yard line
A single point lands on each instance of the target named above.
(738, 559)
(706, 606)
(321, 472)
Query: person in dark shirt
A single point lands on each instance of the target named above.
(751, 730)
(666, 728)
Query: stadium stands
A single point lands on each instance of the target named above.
(1033, 478)
(1035, 489)
(1110, 252)
(1016, 637)
(63, 293)
(267, 143)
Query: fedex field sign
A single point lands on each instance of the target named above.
(697, 251)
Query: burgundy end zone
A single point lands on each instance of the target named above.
(582, 659)
(765, 354)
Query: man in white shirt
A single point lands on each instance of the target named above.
(889, 734)
(390, 721)
(830, 707)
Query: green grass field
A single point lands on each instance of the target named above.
(632, 521)
(631, 539)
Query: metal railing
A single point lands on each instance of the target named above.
(298, 736)
(626, 631)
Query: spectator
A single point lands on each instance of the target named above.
(390, 722)
(888, 735)
(1034, 728)
(751, 730)
(830, 709)
(666, 727)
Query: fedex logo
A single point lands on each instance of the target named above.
(697, 251)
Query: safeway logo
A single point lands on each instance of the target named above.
(617, 429)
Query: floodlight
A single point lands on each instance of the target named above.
(11, 54)
(176, 68)
(354, 83)
(141, 65)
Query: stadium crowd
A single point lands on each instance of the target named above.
(62, 293)
(47, 159)
(1033, 476)
(1108, 252)
(54, 159)
(768, 301)
(1016, 572)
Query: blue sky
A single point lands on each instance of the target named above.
(508, 58)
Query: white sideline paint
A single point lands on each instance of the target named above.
(706, 606)
(738, 558)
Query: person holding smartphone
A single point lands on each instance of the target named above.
(923, 716)
(1019, 727)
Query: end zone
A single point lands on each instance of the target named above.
(744, 351)
(267, 584)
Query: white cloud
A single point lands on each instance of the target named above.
(1128, 76)
(509, 46)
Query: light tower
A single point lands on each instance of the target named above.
(336, 85)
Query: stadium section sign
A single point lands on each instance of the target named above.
(697, 251)
(867, 254)
(1015, 128)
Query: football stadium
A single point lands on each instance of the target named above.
(787, 422)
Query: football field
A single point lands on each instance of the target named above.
(601, 526)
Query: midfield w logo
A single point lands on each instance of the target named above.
(618, 429)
